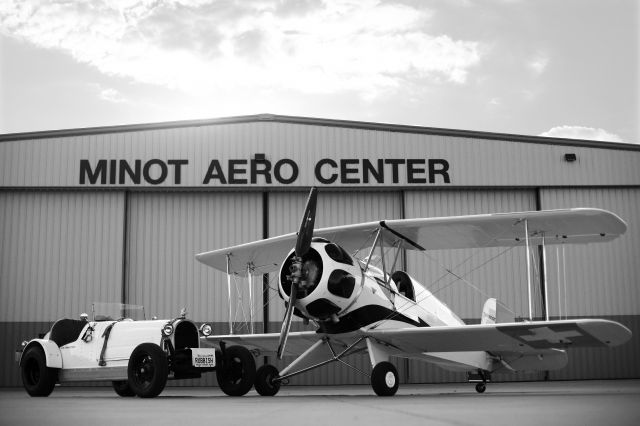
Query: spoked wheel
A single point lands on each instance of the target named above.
(37, 378)
(481, 387)
(147, 370)
(384, 379)
(237, 371)
(122, 388)
(265, 385)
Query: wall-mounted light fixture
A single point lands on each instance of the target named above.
(570, 157)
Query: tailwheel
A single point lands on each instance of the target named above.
(265, 384)
(237, 371)
(480, 387)
(384, 379)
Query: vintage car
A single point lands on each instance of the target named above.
(138, 356)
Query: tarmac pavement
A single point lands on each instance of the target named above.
(614, 402)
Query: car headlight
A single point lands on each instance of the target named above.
(167, 330)
(206, 330)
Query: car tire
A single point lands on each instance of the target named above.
(147, 370)
(264, 383)
(122, 388)
(237, 371)
(384, 379)
(37, 378)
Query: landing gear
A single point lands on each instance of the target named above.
(480, 379)
(237, 371)
(384, 379)
(265, 384)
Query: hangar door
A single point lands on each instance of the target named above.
(599, 280)
(60, 251)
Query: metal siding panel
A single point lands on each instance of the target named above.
(601, 278)
(61, 252)
(165, 232)
(601, 281)
(503, 277)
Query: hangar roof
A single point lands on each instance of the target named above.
(319, 122)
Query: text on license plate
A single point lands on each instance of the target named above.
(203, 358)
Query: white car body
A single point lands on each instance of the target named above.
(81, 350)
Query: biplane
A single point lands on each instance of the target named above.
(327, 277)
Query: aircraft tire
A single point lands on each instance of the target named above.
(237, 372)
(264, 380)
(147, 371)
(122, 388)
(384, 379)
(481, 387)
(37, 378)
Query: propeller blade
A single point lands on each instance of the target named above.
(303, 244)
(286, 322)
(305, 233)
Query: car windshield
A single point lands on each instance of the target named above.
(115, 311)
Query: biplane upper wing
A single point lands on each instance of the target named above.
(520, 337)
(579, 225)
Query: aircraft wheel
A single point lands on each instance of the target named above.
(264, 384)
(147, 370)
(237, 371)
(481, 387)
(37, 378)
(384, 379)
(122, 388)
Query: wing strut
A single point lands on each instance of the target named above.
(526, 237)
(229, 291)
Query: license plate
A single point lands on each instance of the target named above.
(203, 358)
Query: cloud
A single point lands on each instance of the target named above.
(538, 64)
(203, 46)
(112, 95)
(580, 132)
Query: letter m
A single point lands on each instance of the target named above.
(86, 172)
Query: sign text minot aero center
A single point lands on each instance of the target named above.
(261, 171)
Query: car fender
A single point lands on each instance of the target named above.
(51, 352)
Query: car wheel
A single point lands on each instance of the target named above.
(37, 378)
(122, 388)
(264, 384)
(147, 370)
(384, 379)
(237, 372)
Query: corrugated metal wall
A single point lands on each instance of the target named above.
(60, 251)
(602, 280)
(494, 272)
(55, 161)
(167, 230)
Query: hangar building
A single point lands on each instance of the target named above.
(118, 213)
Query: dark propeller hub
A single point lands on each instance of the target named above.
(308, 269)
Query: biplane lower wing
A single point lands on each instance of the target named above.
(520, 338)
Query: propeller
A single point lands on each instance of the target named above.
(303, 244)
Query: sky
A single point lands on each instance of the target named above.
(561, 68)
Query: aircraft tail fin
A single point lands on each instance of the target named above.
(495, 312)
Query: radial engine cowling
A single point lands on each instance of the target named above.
(330, 282)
